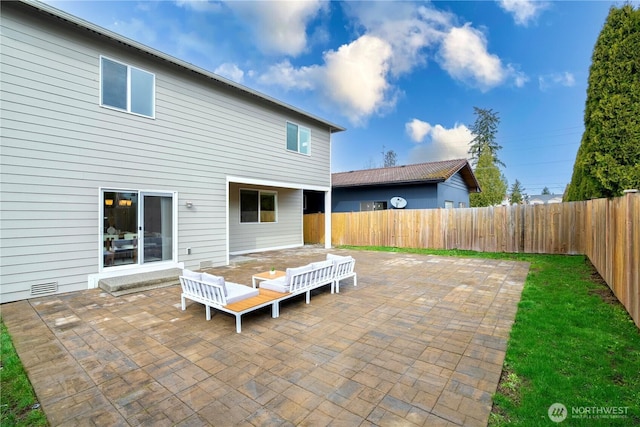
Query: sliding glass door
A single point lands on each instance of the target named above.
(137, 227)
(157, 227)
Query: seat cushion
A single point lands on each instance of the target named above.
(321, 264)
(290, 272)
(237, 292)
(338, 258)
(193, 275)
(333, 257)
(216, 280)
(279, 285)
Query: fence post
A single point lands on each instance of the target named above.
(632, 258)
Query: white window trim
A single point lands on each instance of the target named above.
(155, 266)
(128, 110)
(260, 193)
(299, 127)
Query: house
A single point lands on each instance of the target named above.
(444, 184)
(544, 199)
(118, 159)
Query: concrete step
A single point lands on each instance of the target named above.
(139, 282)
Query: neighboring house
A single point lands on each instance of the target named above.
(444, 184)
(544, 199)
(118, 159)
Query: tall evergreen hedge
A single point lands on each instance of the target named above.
(608, 160)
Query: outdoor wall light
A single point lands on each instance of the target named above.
(189, 205)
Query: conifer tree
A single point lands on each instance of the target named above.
(608, 160)
(484, 130)
(517, 193)
(484, 156)
(493, 185)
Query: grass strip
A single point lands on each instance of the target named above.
(18, 403)
(572, 343)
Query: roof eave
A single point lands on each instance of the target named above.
(391, 184)
(469, 178)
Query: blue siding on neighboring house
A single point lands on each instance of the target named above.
(418, 196)
(455, 190)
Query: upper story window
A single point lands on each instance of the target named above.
(298, 138)
(127, 88)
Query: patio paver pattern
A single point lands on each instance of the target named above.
(420, 341)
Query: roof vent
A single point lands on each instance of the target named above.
(44, 288)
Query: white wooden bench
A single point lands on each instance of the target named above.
(232, 298)
(301, 280)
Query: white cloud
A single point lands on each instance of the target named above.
(442, 143)
(417, 129)
(356, 77)
(279, 27)
(519, 78)
(353, 78)
(408, 29)
(288, 77)
(464, 55)
(523, 11)
(230, 71)
(547, 81)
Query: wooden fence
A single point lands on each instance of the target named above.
(606, 230)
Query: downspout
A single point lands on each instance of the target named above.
(327, 219)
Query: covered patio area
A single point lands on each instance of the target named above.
(420, 341)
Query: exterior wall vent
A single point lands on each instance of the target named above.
(44, 288)
(205, 264)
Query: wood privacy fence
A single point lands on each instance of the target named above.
(606, 230)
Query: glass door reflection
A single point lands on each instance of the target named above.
(157, 227)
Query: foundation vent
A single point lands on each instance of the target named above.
(205, 264)
(44, 288)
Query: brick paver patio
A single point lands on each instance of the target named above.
(419, 341)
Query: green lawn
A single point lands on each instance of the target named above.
(17, 400)
(572, 343)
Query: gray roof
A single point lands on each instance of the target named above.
(419, 173)
(216, 79)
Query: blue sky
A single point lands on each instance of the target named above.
(401, 76)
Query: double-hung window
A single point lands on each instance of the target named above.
(258, 206)
(127, 88)
(298, 138)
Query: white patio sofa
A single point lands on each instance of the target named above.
(344, 267)
(301, 280)
(215, 292)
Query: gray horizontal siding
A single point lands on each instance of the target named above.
(286, 232)
(59, 147)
